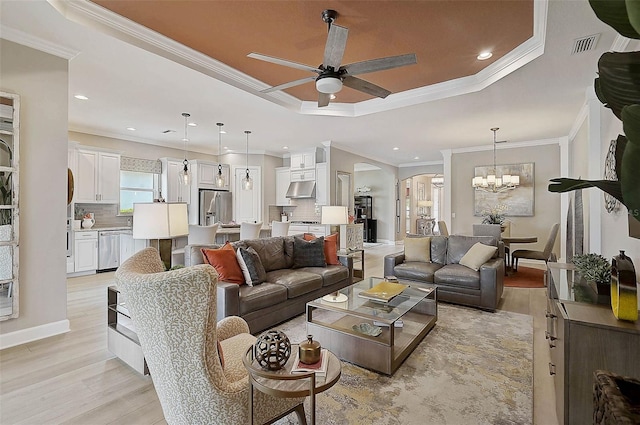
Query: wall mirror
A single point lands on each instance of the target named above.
(344, 192)
(9, 152)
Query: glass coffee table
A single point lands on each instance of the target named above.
(373, 334)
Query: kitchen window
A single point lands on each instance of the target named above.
(135, 187)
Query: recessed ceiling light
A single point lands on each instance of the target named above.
(223, 132)
(226, 147)
(192, 124)
(396, 148)
(131, 129)
(332, 96)
(484, 56)
(285, 147)
(416, 157)
(81, 97)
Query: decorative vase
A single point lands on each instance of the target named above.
(624, 293)
(272, 350)
(309, 351)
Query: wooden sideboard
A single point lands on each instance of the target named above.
(584, 336)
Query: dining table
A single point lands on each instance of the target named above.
(508, 240)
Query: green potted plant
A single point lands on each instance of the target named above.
(596, 270)
(494, 215)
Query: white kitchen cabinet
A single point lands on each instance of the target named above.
(322, 184)
(283, 179)
(172, 189)
(129, 246)
(303, 160)
(207, 173)
(301, 176)
(85, 252)
(97, 177)
(315, 229)
(247, 204)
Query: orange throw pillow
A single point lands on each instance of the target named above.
(225, 262)
(330, 248)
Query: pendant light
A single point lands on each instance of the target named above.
(220, 178)
(493, 182)
(184, 176)
(247, 181)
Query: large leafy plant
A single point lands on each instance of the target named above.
(618, 88)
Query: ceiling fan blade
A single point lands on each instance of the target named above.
(380, 64)
(365, 86)
(323, 99)
(334, 49)
(289, 84)
(283, 62)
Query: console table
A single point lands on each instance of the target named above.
(584, 336)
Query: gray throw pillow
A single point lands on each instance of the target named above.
(308, 253)
(251, 266)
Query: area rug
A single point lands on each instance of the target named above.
(474, 367)
(525, 277)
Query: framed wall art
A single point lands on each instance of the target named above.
(519, 201)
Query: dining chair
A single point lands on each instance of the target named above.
(250, 230)
(506, 225)
(488, 230)
(537, 255)
(279, 228)
(202, 235)
(442, 228)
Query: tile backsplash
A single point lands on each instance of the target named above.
(105, 214)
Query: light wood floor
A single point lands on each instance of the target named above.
(73, 379)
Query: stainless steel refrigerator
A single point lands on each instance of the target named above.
(215, 206)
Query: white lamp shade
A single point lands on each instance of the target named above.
(425, 203)
(334, 215)
(159, 220)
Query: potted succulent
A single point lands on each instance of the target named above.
(596, 270)
(494, 215)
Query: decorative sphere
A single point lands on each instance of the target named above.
(272, 350)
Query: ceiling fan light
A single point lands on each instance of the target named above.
(329, 85)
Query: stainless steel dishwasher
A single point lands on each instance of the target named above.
(108, 249)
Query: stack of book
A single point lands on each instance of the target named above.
(320, 367)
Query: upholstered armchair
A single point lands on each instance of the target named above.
(174, 314)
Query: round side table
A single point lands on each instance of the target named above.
(284, 384)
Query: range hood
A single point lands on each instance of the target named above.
(302, 190)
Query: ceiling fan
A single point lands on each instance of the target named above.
(331, 75)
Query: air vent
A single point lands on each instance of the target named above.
(168, 131)
(584, 44)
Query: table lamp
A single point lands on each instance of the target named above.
(335, 215)
(422, 205)
(161, 222)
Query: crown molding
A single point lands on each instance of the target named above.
(419, 164)
(92, 15)
(510, 145)
(20, 37)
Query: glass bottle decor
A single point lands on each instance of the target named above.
(624, 293)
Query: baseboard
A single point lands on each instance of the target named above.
(35, 333)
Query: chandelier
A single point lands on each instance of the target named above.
(493, 182)
(437, 181)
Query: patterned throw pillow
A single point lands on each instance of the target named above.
(308, 253)
(225, 262)
(330, 247)
(251, 266)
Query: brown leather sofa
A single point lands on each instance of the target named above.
(456, 283)
(286, 290)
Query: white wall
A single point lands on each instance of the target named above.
(41, 80)
(546, 159)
